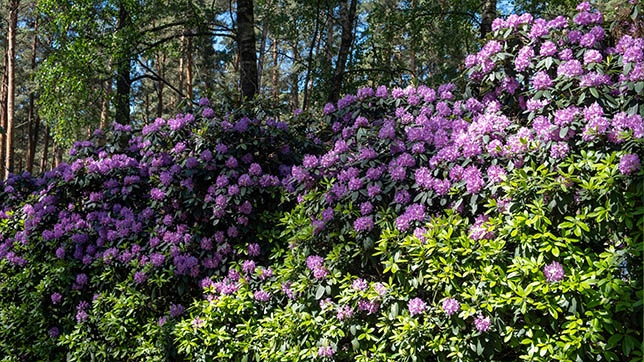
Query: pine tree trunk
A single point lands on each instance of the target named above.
(412, 47)
(182, 67)
(59, 156)
(488, 14)
(329, 37)
(262, 54)
(160, 84)
(275, 76)
(123, 67)
(307, 78)
(246, 44)
(189, 68)
(32, 125)
(45, 149)
(105, 105)
(295, 102)
(147, 107)
(309, 86)
(207, 57)
(348, 17)
(53, 156)
(11, 87)
(3, 109)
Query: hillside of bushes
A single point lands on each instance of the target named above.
(499, 218)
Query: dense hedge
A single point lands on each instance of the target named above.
(500, 219)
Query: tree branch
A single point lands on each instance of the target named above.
(159, 78)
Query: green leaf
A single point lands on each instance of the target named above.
(639, 86)
(320, 292)
(613, 340)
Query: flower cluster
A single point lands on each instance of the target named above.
(451, 306)
(553, 272)
(416, 306)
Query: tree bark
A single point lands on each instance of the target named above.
(488, 14)
(59, 156)
(246, 44)
(105, 104)
(329, 36)
(45, 150)
(123, 67)
(3, 109)
(208, 63)
(54, 160)
(348, 16)
(295, 102)
(189, 68)
(182, 67)
(160, 84)
(305, 101)
(275, 75)
(32, 124)
(412, 47)
(262, 55)
(11, 87)
(147, 107)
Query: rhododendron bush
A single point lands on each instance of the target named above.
(498, 217)
(497, 221)
(136, 226)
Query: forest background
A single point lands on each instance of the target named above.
(70, 67)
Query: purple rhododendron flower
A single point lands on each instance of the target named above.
(176, 310)
(364, 223)
(553, 272)
(359, 284)
(368, 306)
(416, 306)
(54, 332)
(629, 163)
(56, 298)
(140, 277)
(482, 323)
(325, 351)
(262, 296)
(451, 306)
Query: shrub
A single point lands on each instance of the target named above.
(500, 221)
(96, 254)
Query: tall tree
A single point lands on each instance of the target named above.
(275, 75)
(45, 149)
(160, 66)
(33, 126)
(310, 60)
(189, 69)
(348, 12)
(262, 49)
(246, 45)
(295, 79)
(11, 87)
(488, 14)
(123, 64)
(3, 107)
